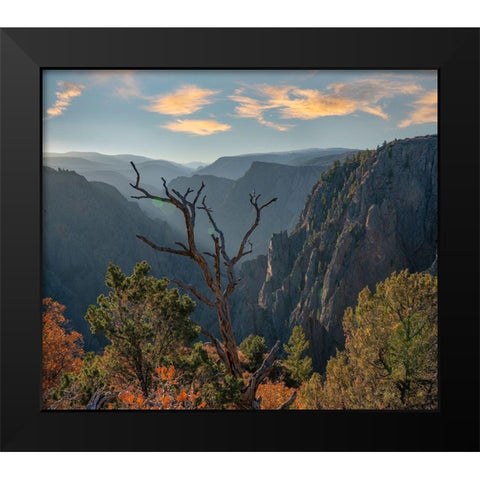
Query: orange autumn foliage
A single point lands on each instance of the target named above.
(212, 352)
(182, 396)
(166, 373)
(62, 351)
(168, 395)
(274, 394)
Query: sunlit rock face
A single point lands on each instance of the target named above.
(364, 219)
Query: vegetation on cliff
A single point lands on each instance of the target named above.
(369, 225)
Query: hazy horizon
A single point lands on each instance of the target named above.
(213, 160)
(200, 115)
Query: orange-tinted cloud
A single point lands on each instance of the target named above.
(197, 127)
(309, 104)
(184, 101)
(425, 110)
(64, 95)
(374, 110)
(291, 102)
(249, 107)
(281, 127)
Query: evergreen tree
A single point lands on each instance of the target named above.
(390, 357)
(145, 322)
(297, 365)
(254, 347)
(220, 279)
(311, 393)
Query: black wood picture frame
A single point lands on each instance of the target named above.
(25, 52)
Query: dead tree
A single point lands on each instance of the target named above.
(220, 289)
(98, 399)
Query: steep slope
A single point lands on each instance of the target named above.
(87, 162)
(236, 166)
(122, 183)
(118, 180)
(290, 185)
(234, 214)
(86, 225)
(375, 214)
(117, 171)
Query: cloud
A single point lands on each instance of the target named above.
(425, 110)
(253, 108)
(281, 127)
(127, 87)
(184, 101)
(310, 104)
(373, 90)
(374, 110)
(124, 83)
(337, 99)
(64, 95)
(197, 127)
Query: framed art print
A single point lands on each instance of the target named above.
(239, 235)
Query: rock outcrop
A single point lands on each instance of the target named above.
(374, 214)
(234, 214)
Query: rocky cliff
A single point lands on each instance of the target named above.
(374, 214)
(232, 210)
(86, 225)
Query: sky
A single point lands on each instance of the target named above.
(200, 115)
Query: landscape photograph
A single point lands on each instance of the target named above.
(239, 240)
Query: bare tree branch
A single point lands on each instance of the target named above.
(185, 253)
(195, 292)
(199, 191)
(228, 350)
(189, 210)
(285, 405)
(220, 247)
(183, 246)
(191, 206)
(254, 201)
(218, 273)
(216, 343)
(180, 196)
(267, 365)
(146, 194)
(98, 399)
(187, 193)
(169, 195)
(248, 393)
(219, 232)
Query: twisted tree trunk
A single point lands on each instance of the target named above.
(229, 344)
(248, 398)
(227, 349)
(98, 399)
